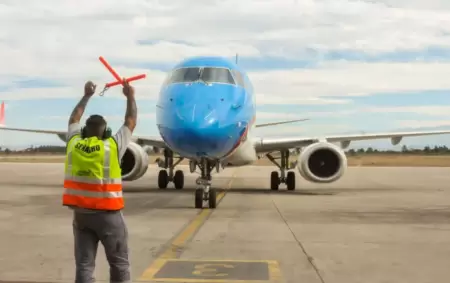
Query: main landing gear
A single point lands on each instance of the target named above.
(165, 177)
(289, 179)
(204, 192)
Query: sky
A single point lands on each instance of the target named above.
(348, 66)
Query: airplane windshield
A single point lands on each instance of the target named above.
(185, 75)
(205, 74)
(217, 75)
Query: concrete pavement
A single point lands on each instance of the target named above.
(373, 225)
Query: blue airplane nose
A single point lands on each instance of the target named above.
(202, 131)
(197, 116)
(199, 120)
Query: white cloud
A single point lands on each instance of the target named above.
(416, 4)
(152, 116)
(284, 27)
(430, 110)
(346, 78)
(61, 40)
(145, 116)
(273, 99)
(308, 86)
(422, 123)
(289, 27)
(300, 129)
(277, 115)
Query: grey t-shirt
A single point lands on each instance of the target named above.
(122, 137)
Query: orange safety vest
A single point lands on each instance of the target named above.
(93, 177)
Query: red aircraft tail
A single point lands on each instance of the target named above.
(2, 114)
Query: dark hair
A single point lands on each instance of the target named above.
(96, 121)
(95, 125)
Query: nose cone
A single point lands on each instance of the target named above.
(204, 131)
(202, 126)
(197, 116)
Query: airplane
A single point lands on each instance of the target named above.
(206, 113)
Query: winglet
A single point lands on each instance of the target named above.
(2, 114)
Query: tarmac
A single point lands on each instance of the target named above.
(374, 225)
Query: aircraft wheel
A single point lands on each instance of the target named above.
(199, 198)
(163, 179)
(178, 179)
(274, 180)
(290, 181)
(212, 198)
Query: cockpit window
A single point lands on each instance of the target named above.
(217, 75)
(239, 78)
(184, 75)
(205, 74)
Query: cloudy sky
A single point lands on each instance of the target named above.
(351, 66)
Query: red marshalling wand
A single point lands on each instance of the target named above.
(116, 76)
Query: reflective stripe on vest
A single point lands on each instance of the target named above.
(89, 192)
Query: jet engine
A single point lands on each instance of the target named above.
(322, 162)
(134, 162)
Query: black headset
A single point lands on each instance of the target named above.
(107, 133)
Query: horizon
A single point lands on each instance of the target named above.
(396, 148)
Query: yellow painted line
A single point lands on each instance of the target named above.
(206, 280)
(148, 274)
(275, 274)
(182, 238)
(219, 260)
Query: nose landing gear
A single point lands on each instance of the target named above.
(204, 192)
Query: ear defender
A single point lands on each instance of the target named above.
(107, 133)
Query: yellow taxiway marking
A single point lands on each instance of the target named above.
(182, 238)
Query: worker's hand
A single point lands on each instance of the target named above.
(89, 88)
(127, 90)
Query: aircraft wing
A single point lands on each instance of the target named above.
(269, 144)
(280, 123)
(146, 140)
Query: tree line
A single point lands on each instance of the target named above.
(48, 149)
(427, 150)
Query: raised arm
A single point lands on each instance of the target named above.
(131, 113)
(78, 111)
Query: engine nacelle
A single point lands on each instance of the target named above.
(134, 162)
(147, 149)
(322, 162)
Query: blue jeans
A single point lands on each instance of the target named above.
(110, 229)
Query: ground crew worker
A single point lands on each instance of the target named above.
(93, 188)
